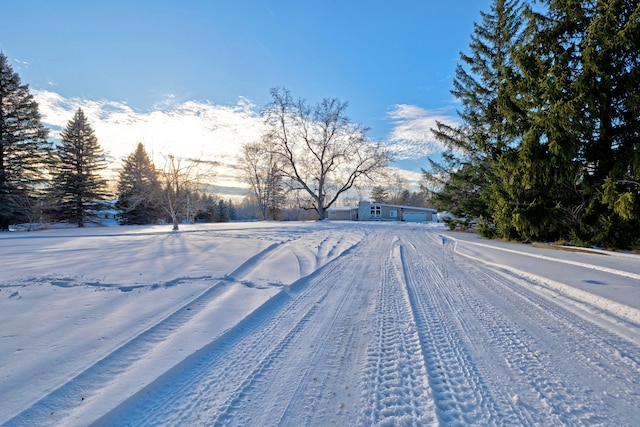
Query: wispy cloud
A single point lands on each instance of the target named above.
(19, 64)
(188, 129)
(212, 133)
(411, 136)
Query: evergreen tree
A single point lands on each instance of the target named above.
(78, 187)
(548, 148)
(610, 122)
(222, 212)
(460, 192)
(379, 195)
(204, 206)
(25, 153)
(483, 84)
(578, 163)
(233, 213)
(139, 190)
(536, 194)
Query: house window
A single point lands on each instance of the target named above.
(393, 213)
(376, 212)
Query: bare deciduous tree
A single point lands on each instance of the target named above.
(181, 178)
(321, 152)
(261, 171)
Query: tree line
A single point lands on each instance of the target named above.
(42, 181)
(548, 147)
(308, 157)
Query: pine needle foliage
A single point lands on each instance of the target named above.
(79, 189)
(549, 144)
(25, 152)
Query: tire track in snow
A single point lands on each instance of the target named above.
(249, 265)
(234, 402)
(396, 385)
(617, 309)
(538, 394)
(459, 391)
(596, 356)
(508, 349)
(316, 366)
(308, 255)
(534, 356)
(277, 355)
(328, 377)
(55, 406)
(615, 271)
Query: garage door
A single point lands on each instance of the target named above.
(415, 216)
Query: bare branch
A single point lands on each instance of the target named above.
(319, 148)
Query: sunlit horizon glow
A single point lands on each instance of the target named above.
(190, 78)
(210, 133)
(188, 130)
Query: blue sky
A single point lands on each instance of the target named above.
(393, 61)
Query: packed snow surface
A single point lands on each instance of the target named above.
(313, 323)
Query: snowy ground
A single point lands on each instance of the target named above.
(313, 324)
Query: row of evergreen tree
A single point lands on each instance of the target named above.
(549, 142)
(65, 182)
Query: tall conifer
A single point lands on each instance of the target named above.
(139, 190)
(536, 190)
(24, 149)
(610, 84)
(79, 188)
(483, 85)
(579, 162)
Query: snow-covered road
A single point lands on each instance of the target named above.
(315, 324)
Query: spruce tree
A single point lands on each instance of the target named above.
(578, 162)
(139, 190)
(25, 153)
(233, 213)
(222, 212)
(79, 189)
(483, 84)
(379, 194)
(610, 123)
(537, 190)
(207, 207)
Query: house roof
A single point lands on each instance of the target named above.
(404, 207)
(342, 208)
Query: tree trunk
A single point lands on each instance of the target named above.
(321, 213)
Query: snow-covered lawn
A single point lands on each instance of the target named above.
(313, 323)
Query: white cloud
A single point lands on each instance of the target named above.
(189, 129)
(411, 136)
(211, 132)
(186, 130)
